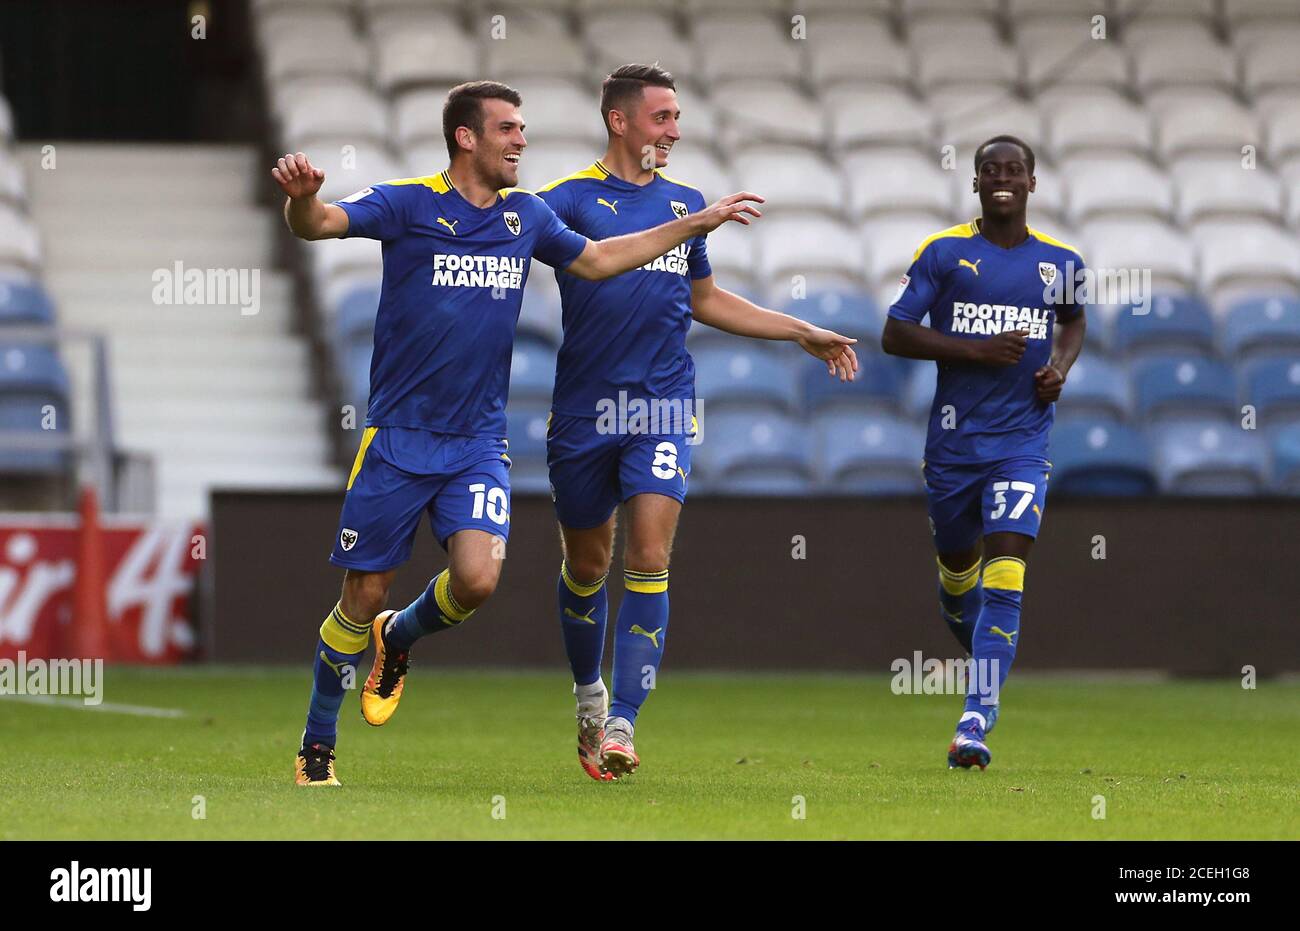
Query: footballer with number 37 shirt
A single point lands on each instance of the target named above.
(1004, 344)
(456, 250)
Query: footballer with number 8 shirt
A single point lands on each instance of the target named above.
(456, 250)
(1004, 345)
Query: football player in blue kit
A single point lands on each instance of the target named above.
(1004, 343)
(456, 251)
(624, 349)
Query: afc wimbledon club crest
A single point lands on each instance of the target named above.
(679, 209)
(1047, 271)
(513, 224)
(348, 539)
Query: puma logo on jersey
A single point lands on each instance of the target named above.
(605, 203)
(569, 612)
(450, 226)
(973, 266)
(1002, 633)
(651, 635)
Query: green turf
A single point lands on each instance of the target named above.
(724, 757)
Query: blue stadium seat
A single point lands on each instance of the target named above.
(745, 377)
(24, 302)
(1286, 460)
(1101, 458)
(1180, 387)
(1210, 458)
(356, 375)
(869, 455)
(31, 377)
(1262, 325)
(1095, 388)
(918, 391)
(851, 313)
(526, 431)
(354, 319)
(701, 336)
(878, 384)
(1174, 323)
(747, 453)
(1273, 387)
(532, 371)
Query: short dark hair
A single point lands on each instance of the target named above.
(1024, 147)
(464, 107)
(627, 84)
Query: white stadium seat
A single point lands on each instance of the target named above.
(1271, 63)
(891, 239)
(694, 165)
(826, 252)
(1145, 12)
(417, 115)
(645, 36)
(855, 48)
(875, 114)
(1284, 131)
(349, 168)
(1117, 185)
(790, 179)
(1141, 244)
(544, 162)
(1061, 51)
(20, 244)
(534, 45)
(890, 180)
(1079, 121)
(331, 258)
(312, 47)
(558, 110)
(13, 185)
(1239, 12)
(732, 256)
(1026, 10)
(1179, 57)
(969, 121)
(281, 24)
(314, 107)
(768, 111)
(1221, 187)
(427, 48)
(737, 45)
(961, 53)
(1253, 254)
(1190, 122)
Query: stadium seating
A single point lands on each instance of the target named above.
(1286, 460)
(1141, 165)
(32, 383)
(878, 455)
(752, 453)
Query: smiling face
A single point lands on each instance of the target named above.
(649, 125)
(1004, 180)
(494, 153)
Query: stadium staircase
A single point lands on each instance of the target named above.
(218, 398)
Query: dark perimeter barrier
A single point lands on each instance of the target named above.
(1195, 587)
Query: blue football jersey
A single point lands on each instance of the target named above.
(453, 283)
(973, 289)
(626, 333)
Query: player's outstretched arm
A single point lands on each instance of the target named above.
(609, 257)
(731, 313)
(1067, 342)
(914, 341)
(308, 217)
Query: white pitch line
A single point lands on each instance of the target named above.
(57, 701)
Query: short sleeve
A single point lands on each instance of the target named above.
(1066, 312)
(557, 245)
(378, 212)
(919, 288)
(698, 259)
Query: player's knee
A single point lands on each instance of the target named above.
(364, 596)
(646, 557)
(475, 585)
(588, 567)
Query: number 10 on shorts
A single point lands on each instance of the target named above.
(493, 498)
(1000, 498)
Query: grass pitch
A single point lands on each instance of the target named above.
(723, 756)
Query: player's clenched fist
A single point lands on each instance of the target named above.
(1004, 349)
(732, 207)
(297, 176)
(1048, 382)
